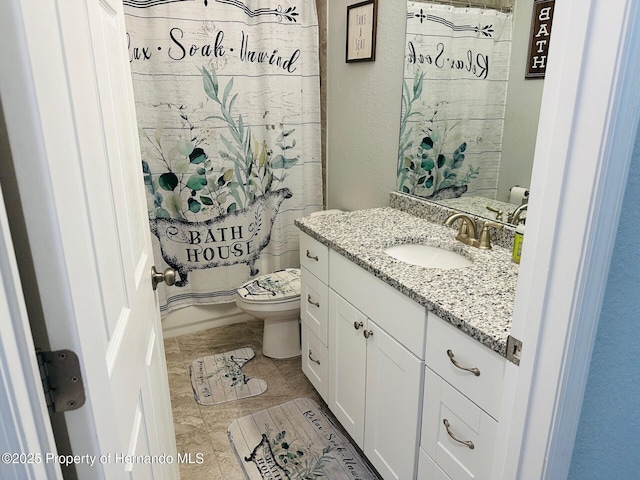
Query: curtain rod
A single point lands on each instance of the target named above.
(468, 4)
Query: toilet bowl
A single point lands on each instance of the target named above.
(275, 298)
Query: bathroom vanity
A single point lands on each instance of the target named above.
(409, 359)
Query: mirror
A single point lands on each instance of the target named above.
(469, 117)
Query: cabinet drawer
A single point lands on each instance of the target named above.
(484, 389)
(314, 256)
(315, 363)
(428, 470)
(464, 421)
(314, 304)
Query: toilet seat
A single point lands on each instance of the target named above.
(275, 298)
(282, 286)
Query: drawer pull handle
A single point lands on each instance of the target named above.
(313, 359)
(311, 256)
(468, 443)
(368, 333)
(357, 325)
(317, 304)
(475, 371)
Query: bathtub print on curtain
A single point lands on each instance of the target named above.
(227, 100)
(453, 100)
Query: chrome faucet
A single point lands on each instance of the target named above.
(514, 217)
(467, 231)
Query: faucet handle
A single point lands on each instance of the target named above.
(497, 211)
(463, 231)
(484, 242)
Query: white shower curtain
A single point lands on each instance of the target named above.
(453, 102)
(228, 107)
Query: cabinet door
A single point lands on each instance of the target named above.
(347, 367)
(394, 399)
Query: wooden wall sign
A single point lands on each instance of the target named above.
(540, 37)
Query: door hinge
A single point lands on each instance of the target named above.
(514, 349)
(61, 380)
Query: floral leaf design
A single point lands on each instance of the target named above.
(424, 167)
(244, 169)
(168, 181)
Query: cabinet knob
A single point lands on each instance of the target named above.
(317, 304)
(473, 370)
(357, 325)
(367, 333)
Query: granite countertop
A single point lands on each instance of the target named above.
(477, 299)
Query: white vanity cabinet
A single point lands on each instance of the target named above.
(375, 380)
(363, 350)
(462, 390)
(417, 395)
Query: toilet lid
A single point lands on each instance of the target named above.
(276, 287)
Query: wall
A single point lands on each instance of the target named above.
(608, 439)
(363, 110)
(523, 109)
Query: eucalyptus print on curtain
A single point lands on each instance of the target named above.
(453, 100)
(228, 106)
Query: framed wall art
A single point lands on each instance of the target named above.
(541, 21)
(361, 31)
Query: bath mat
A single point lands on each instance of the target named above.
(219, 378)
(295, 440)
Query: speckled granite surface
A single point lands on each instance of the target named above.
(477, 299)
(438, 213)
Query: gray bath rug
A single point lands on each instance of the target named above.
(296, 441)
(219, 378)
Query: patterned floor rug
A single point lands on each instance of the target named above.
(295, 440)
(219, 378)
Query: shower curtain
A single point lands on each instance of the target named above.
(453, 101)
(228, 107)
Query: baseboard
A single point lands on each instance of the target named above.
(196, 318)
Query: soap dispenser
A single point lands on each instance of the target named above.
(517, 241)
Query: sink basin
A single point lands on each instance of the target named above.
(427, 256)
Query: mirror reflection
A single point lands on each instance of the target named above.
(469, 117)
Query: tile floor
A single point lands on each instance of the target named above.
(203, 429)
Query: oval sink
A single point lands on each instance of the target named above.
(427, 256)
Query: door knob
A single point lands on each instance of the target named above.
(168, 277)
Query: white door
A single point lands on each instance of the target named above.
(394, 398)
(347, 365)
(71, 123)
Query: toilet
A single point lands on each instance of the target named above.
(275, 298)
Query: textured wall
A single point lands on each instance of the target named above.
(363, 110)
(608, 439)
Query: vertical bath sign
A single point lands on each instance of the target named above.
(227, 100)
(540, 37)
